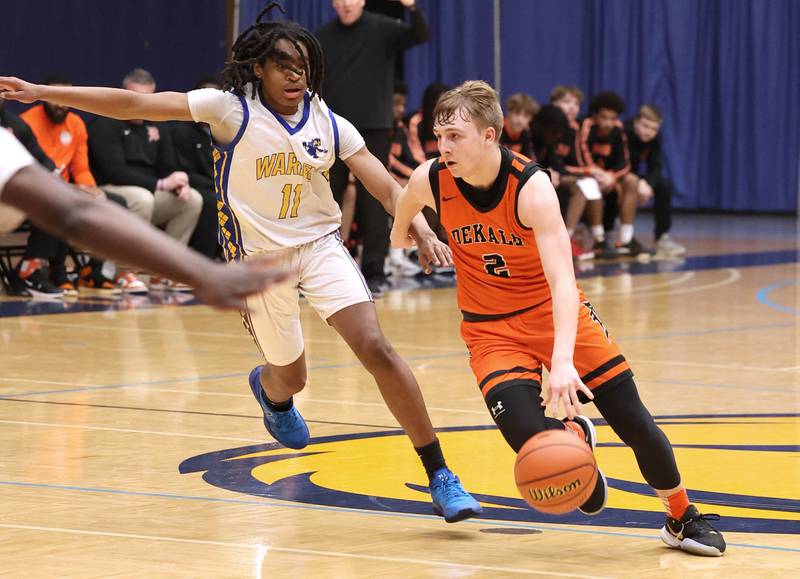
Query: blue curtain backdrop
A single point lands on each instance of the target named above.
(97, 41)
(725, 72)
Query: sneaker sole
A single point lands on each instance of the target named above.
(459, 516)
(688, 545)
(88, 291)
(40, 294)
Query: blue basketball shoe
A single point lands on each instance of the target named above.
(450, 500)
(288, 427)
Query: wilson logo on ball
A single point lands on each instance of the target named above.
(551, 492)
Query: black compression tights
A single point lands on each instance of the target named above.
(628, 417)
(518, 414)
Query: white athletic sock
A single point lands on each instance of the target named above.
(625, 233)
(598, 232)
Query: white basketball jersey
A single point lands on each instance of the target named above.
(272, 179)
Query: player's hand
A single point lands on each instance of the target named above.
(400, 239)
(408, 3)
(555, 177)
(226, 286)
(13, 88)
(433, 252)
(564, 385)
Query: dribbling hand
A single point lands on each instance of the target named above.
(564, 385)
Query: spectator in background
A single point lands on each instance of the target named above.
(193, 155)
(421, 139)
(516, 135)
(360, 49)
(136, 159)
(401, 159)
(401, 165)
(644, 142)
(63, 137)
(577, 189)
(33, 271)
(605, 151)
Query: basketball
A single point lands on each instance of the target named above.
(555, 471)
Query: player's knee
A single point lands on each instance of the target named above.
(517, 411)
(627, 416)
(374, 350)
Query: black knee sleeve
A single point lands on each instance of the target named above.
(631, 421)
(517, 411)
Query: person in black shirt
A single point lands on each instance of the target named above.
(573, 179)
(193, 155)
(605, 151)
(644, 143)
(136, 159)
(360, 50)
(520, 110)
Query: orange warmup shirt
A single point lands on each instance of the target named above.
(66, 144)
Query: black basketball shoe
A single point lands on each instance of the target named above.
(693, 533)
(597, 500)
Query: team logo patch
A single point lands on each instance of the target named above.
(739, 466)
(313, 147)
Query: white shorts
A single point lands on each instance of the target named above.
(328, 278)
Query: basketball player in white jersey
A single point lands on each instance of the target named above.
(26, 188)
(275, 140)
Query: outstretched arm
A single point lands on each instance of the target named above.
(116, 103)
(416, 195)
(114, 232)
(538, 209)
(381, 185)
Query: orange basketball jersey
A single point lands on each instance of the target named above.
(496, 257)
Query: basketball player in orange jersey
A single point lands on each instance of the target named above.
(523, 309)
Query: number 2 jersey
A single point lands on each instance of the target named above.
(496, 257)
(271, 171)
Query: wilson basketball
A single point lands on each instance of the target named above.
(555, 471)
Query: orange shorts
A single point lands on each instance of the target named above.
(512, 350)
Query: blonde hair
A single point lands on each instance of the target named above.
(560, 91)
(474, 101)
(651, 113)
(522, 102)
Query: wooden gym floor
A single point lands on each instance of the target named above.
(130, 445)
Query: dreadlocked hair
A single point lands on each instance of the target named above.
(257, 43)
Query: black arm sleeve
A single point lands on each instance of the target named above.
(107, 156)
